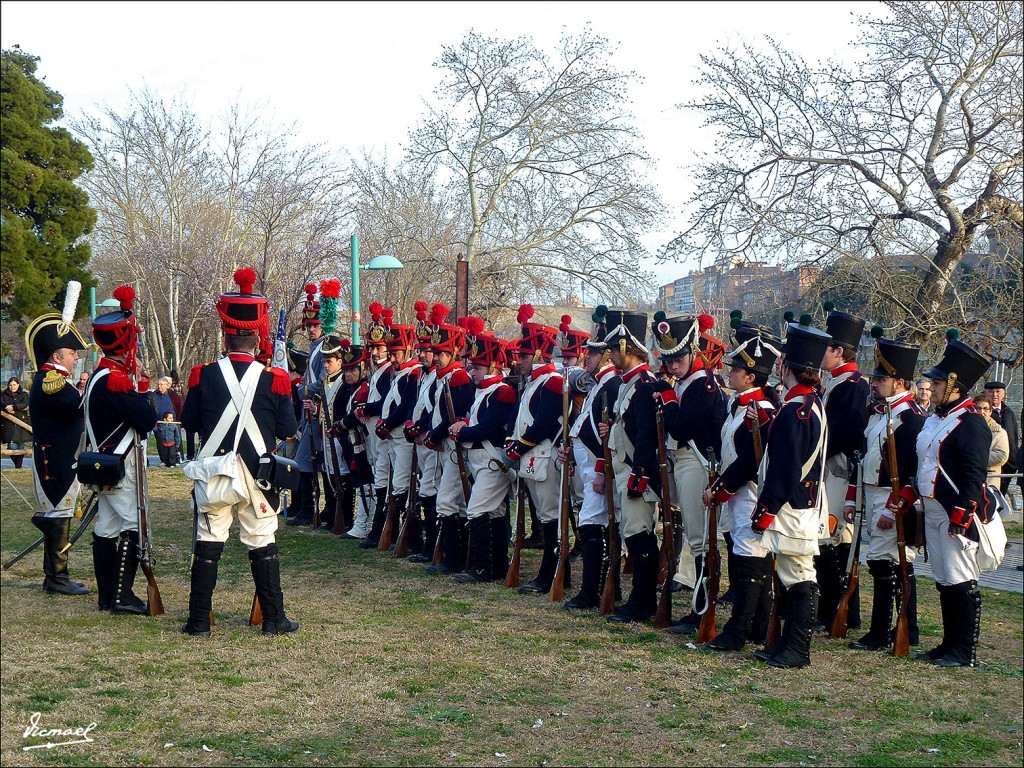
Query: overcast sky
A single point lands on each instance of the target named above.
(354, 74)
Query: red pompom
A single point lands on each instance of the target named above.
(438, 313)
(462, 321)
(421, 306)
(567, 319)
(344, 343)
(705, 322)
(246, 279)
(330, 289)
(126, 295)
(421, 315)
(310, 290)
(386, 315)
(375, 310)
(474, 325)
(525, 313)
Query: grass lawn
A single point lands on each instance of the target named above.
(394, 667)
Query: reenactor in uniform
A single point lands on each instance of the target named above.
(437, 336)
(310, 448)
(845, 401)
(395, 412)
(454, 382)
(952, 451)
(53, 344)
(895, 365)
(327, 394)
(380, 368)
(788, 512)
(116, 416)
(694, 407)
(571, 354)
(537, 426)
(350, 396)
(483, 434)
(238, 404)
(633, 442)
(588, 454)
(750, 413)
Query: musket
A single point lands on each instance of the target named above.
(901, 644)
(335, 466)
(712, 562)
(312, 460)
(774, 631)
(402, 545)
(608, 593)
(389, 523)
(557, 593)
(255, 613)
(852, 574)
(463, 474)
(512, 574)
(663, 616)
(87, 516)
(146, 560)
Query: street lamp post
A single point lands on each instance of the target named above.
(377, 262)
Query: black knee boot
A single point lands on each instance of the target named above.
(414, 540)
(266, 575)
(204, 580)
(965, 612)
(592, 542)
(454, 559)
(748, 576)
(401, 500)
(104, 564)
(548, 563)
(55, 561)
(945, 606)
(796, 633)
(883, 576)
(643, 597)
(853, 607)
(826, 568)
(480, 542)
(780, 595)
(691, 622)
(125, 599)
(426, 552)
(304, 512)
(913, 631)
(348, 504)
(499, 548)
(728, 596)
(380, 516)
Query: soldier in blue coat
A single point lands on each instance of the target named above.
(53, 344)
(789, 510)
(238, 402)
(117, 417)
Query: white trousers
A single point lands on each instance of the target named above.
(65, 506)
(401, 464)
(544, 493)
(950, 562)
(690, 480)
(594, 510)
(490, 487)
(835, 495)
(378, 455)
(118, 508)
(637, 514)
(451, 500)
(430, 470)
(257, 520)
(882, 543)
(736, 513)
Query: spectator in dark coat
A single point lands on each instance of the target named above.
(168, 440)
(1006, 418)
(14, 401)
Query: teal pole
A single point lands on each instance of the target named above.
(355, 289)
(92, 316)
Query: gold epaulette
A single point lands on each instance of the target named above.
(53, 382)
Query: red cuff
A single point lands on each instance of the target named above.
(761, 519)
(722, 495)
(599, 467)
(851, 493)
(668, 396)
(960, 516)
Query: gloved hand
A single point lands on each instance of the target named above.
(664, 392)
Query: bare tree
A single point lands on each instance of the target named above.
(544, 156)
(907, 156)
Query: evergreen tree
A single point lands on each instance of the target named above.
(44, 214)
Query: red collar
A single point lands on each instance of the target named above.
(839, 370)
(750, 396)
(536, 373)
(455, 364)
(410, 364)
(112, 365)
(603, 373)
(634, 372)
(60, 368)
(485, 383)
(798, 391)
(241, 357)
(961, 405)
(880, 408)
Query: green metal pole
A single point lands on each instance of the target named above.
(92, 316)
(355, 289)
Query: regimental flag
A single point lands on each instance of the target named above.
(280, 347)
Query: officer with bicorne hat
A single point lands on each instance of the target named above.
(237, 404)
(53, 344)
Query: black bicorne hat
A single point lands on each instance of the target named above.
(844, 328)
(625, 325)
(960, 365)
(805, 346)
(895, 359)
(757, 347)
(299, 360)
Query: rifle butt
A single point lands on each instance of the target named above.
(402, 545)
(153, 599)
(255, 613)
(339, 522)
(706, 631)
(557, 593)
(438, 550)
(901, 643)
(512, 574)
(213, 619)
(663, 616)
(389, 530)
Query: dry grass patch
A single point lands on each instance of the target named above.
(393, 667)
